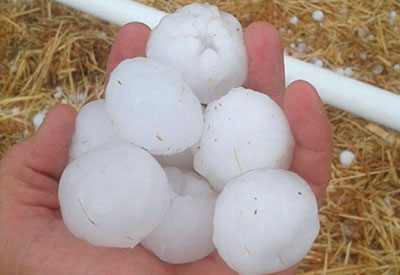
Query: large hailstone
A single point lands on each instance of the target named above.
(152, 107)
(93, 127)
(185, 235)
(205, 46)
(113, 195)
(243, 130)
(265, 221)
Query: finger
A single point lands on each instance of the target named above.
(130, 42)
(312, 133)
(47, 149)
(265, 57)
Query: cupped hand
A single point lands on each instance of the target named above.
(33, 238)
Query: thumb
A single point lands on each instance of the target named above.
(47, 149)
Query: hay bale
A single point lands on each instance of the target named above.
(51, 54)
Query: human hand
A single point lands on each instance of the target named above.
(33, 238)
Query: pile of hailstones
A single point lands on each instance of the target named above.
(148, 165)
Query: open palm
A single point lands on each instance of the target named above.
(33, 238)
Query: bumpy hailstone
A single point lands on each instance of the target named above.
(153, 107)
(205, 46)
(93, 127)
(185, 235)
(183, 160)
(265, 221)
(243, 130)
(114, 195)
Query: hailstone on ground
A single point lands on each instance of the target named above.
(113, 195)
(153, 107)
(185, 235)
(243, 130)
(93, 127)
(205, 46)
(265, 221)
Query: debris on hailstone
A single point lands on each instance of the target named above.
(201, 34)
(318, 15)
(185, 235)
(346, 157)
(113, 195)
(243, 130)
(153, 107)
(265, 221)
(93, 127)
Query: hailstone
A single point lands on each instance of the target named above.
(93, 127)
(152, 107)
(205, 46)
(185, 235)
(265, 221)
(243, 130)
(113, 195)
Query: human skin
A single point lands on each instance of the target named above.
(33, 238)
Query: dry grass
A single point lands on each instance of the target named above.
(45, 47)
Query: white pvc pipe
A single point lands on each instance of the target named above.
(118, 12)
(348, 94)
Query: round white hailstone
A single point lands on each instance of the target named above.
(377, 69)
(346, 157)
(58, 92)
(205, 46)
(317, 62)
(339, 70)
(113, 195)
(183, 160)
(396, 67)
(153, 107)
(265, 221)
(93, 127)
(13, 68)
(15, 111)
(185, 235)
(293, 20)
(393, 14)
(317, 15)
(348, 72)
(243, 130)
